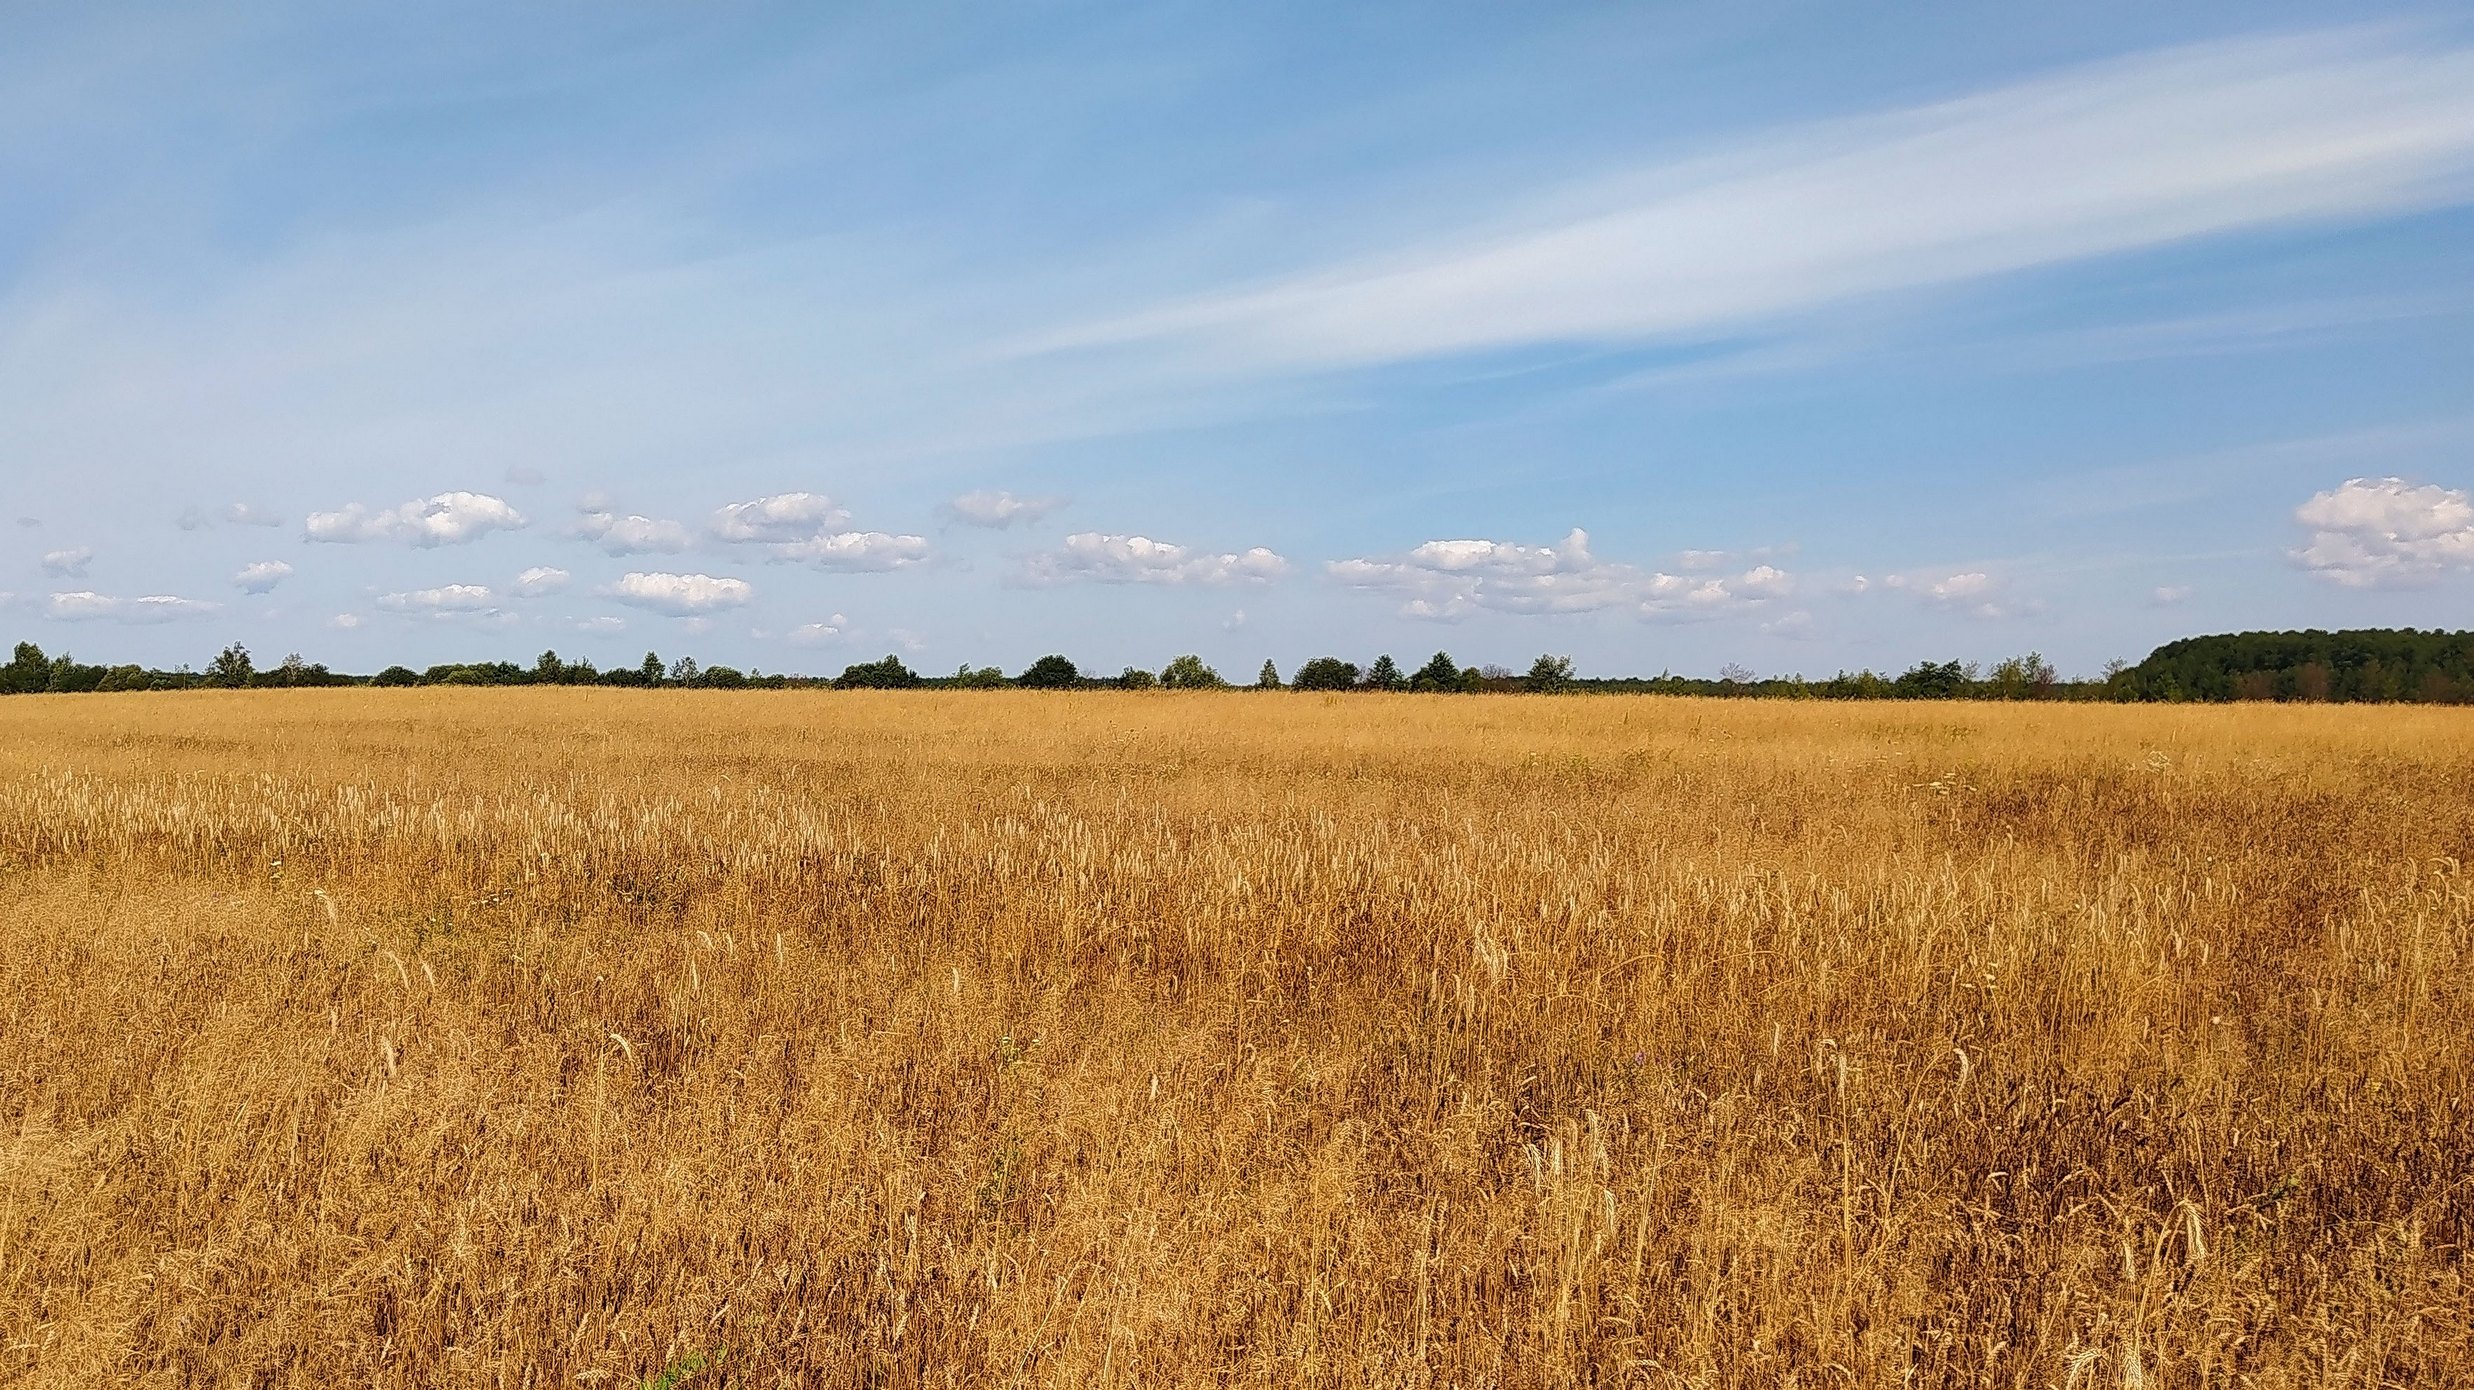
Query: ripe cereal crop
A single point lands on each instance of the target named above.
(609, 1038)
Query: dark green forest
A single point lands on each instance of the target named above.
(2371, 664)
(2368, 665)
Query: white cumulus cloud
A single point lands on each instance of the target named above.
(825, 631)
(1140, 560)
(261, 577)
(2386, 532)
(86, 606)
(68, 564)
(450, 518)
(539, 580)
(445, 599)
(680, 595)
(1447, 580)
(1975, 593)
(1960, 588)
(778, 520)
(856, 550)
(998, 509)
(1797, 626)
(242, 514)
(633, 535)
(808, 528)
(1764, 581)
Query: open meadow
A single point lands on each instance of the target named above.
(610, 1038)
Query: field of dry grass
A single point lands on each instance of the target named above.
(550, 1038)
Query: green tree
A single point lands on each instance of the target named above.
(69, 676)
(548, 669)
(1051, 672)
(1440, 674)
(27, 672)
(983, 678)
(652, 668)
(1136, 678)
(2364, 664)
(1549, 675)
(231, 667)
(1384, 674)
(1859, 685)
(1189, 673)
(2312, 682)
(1268, 678)
(2028, 677)
(1326, 673)
(887, 674)
(1927, 681)
(396, 676)
(684, 671)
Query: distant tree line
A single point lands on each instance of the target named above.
(2381, 664)
(2370, 664)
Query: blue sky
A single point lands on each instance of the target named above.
(1799, 336)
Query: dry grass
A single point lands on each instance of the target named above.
(557, 1038)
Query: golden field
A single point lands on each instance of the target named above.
(611, 1038)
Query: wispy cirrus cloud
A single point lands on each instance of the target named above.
(2209, 140)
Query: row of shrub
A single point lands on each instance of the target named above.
(233, 668)
(31, 671)
(2384, 664)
